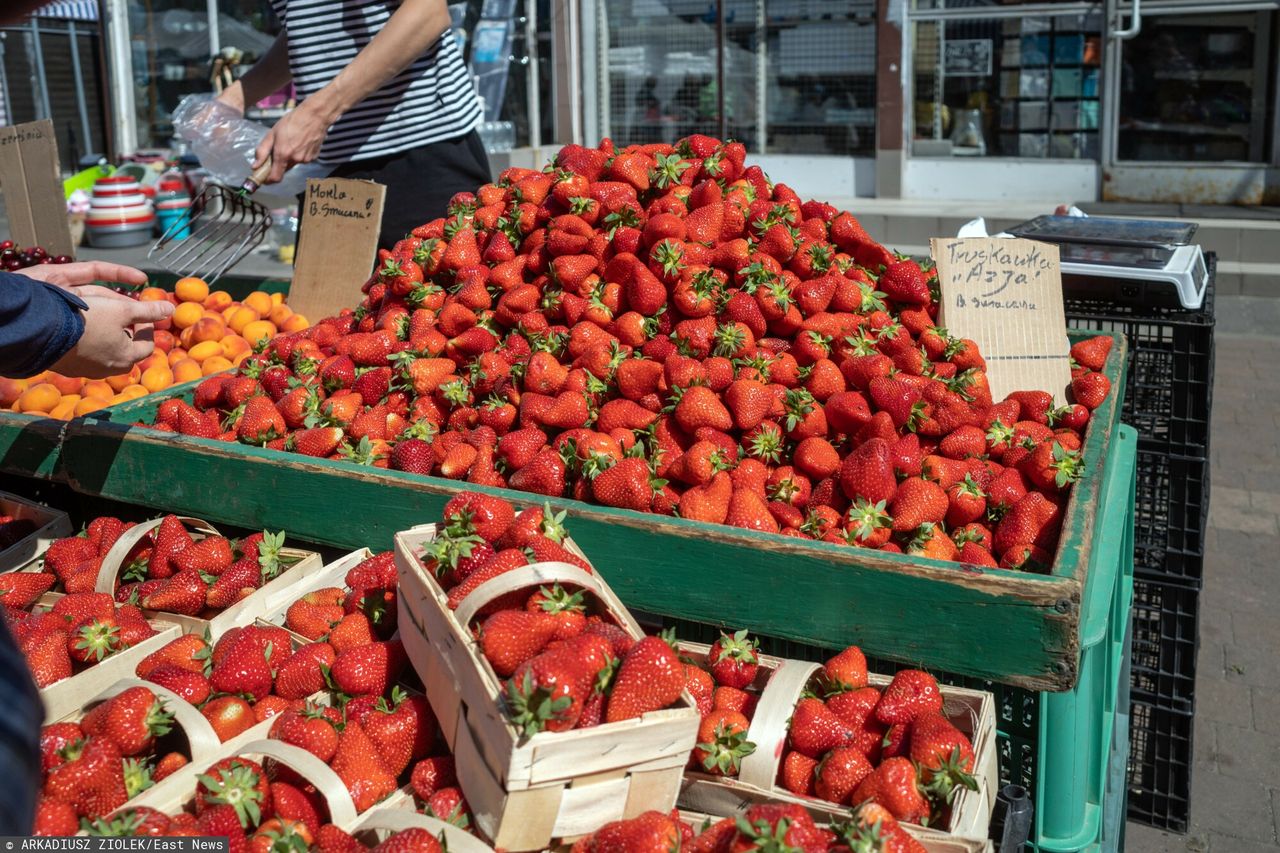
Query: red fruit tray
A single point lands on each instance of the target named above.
(779, 684)
(526, 791)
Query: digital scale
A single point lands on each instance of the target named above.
(1143, 260)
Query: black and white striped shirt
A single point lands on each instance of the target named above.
(430, 101)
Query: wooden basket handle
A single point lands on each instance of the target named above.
(342, 810)
(114, 559)
(201, 738)
(768, 730)
(398, 820)
(538, 574)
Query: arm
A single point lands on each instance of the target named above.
(51, 317)
(297, 137)
(268, 75)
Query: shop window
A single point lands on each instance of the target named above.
(1195, 88)
(1011, 87)
(798, 75)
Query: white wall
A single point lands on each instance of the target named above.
(997, 179)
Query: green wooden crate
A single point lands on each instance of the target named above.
(1013, 627)
(30, 445)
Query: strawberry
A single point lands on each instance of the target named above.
(508, 638)
(193, 687)
(211, 555)
(748, 509)
(547, 693)
(497, 564)
(169, 539)
(91, 779)
(916, 502)
(1052, 468)
(911, 693)
(873, 827)
(749, 402)
(243, 669)
(228, 716)
(184, 593)
(627, 484)
(943, 754)
(722, 743)
(1032, 520)
(648, 832)
(733, 659)
(472, 513)
(798, 773)
(868, 473)
(968, 503)
(1091, 389)
(699, 406)
(260, 422)
(186, 652)
(310, 729)
(21, 589)
(904, 281)
(815, 730)
(132, 720)
(55, 817)
(895, 786)
(369, 669)
(649, 678)
(840, 773)
(844, 672)
(303, 672)
(431, 775)
(1092, 352)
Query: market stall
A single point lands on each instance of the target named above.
(744, 411)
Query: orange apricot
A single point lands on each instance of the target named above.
(191, 289)
(41, 397)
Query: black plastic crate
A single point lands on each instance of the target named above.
(1166, 637)
(1171, 511)
(1169, 393)
(1160, 765)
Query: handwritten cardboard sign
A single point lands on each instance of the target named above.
(1006, 295)
(337, 244)
(32, 184)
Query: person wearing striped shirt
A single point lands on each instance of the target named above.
(383, 95)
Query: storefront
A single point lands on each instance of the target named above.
(1056, 100)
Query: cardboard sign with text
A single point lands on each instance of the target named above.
(337, 244)
(1007, 296)
(32, 184)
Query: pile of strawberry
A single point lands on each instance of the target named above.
(257, 809)
(255, 672)
(847, 742)
(89, 768)
(78, 631)
(661, 328)
(166, 570)
(870, 828)
(566, 663)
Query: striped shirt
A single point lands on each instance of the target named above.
(431, 100)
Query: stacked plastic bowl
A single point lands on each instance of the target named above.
(119, 214)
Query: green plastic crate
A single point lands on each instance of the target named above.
(1040, 733)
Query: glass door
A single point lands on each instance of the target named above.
(1191, 115)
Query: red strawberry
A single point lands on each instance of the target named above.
(1091, 389)
(798, 773)
(184, 593)
(243, 668)
(548, 692)
(21, 589)
(431, 775)
(131, 720)
(815, 730)
(911, 693)
(170, 539)
(844, 672)
(733, 659)
(722, 743)
(1092, 352)
(868, 473)
(895, 786)
(840, 773)
(193, 687)
(303, 672)
(91, 779)
(1032, 520)
(508, 638)
(485, 516)
(310, 729)
(368, 670)
(627, 484)
(916, 502)
(260, 422)
(748, 509)
(649, 678)
(943, 754)
(904, 281)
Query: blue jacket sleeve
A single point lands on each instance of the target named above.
(39, 324)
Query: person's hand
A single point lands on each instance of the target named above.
(294, 140)
(118, 333)
(77, 275)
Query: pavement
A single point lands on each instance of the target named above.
(1235, 778)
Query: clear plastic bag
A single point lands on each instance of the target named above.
(225, 142)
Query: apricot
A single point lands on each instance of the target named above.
(191, 289)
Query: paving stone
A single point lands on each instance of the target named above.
(1262, 501)
(1252, 521)
(1229, 497)
(1223, 701)
(1145, 839)
(1253, 666)
(1266, 709)
(1224, 844)
(1243, 753)
(1239, 808)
